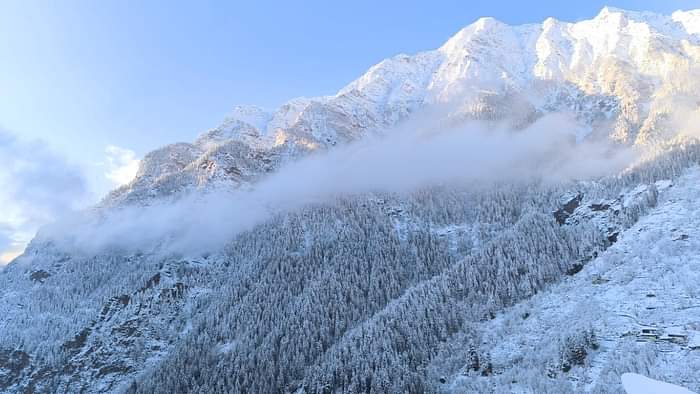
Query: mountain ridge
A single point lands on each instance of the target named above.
(621, 75)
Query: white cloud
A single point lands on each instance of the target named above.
(407, 158)
(122, 165)
(38, 187)
(10, 254)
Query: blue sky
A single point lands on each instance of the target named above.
(95, 80)
(137, 74)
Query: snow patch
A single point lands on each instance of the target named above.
(640, 384)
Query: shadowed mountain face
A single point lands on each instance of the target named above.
(428, 288)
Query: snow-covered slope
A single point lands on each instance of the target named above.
(638, 384)
(639, 299)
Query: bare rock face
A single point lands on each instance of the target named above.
(13, 364)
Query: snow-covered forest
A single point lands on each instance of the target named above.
(368, 293)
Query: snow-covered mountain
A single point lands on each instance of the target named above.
(622, 75)
(523, 286)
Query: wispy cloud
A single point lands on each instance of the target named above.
(38, 187)
(407, 158)
(122, 165)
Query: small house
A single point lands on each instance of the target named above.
(676, 335)
(649, 333)
(694, 340)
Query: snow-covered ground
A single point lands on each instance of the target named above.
(638, 384)
(641, 297)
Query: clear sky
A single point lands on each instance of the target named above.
(138, 74)
(95, 80)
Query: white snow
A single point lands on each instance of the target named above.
(694, 340)
(640, 384)
(254, 116)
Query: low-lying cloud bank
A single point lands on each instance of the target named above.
(36, 187)
(412, 156)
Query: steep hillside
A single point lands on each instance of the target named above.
(632, 309)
